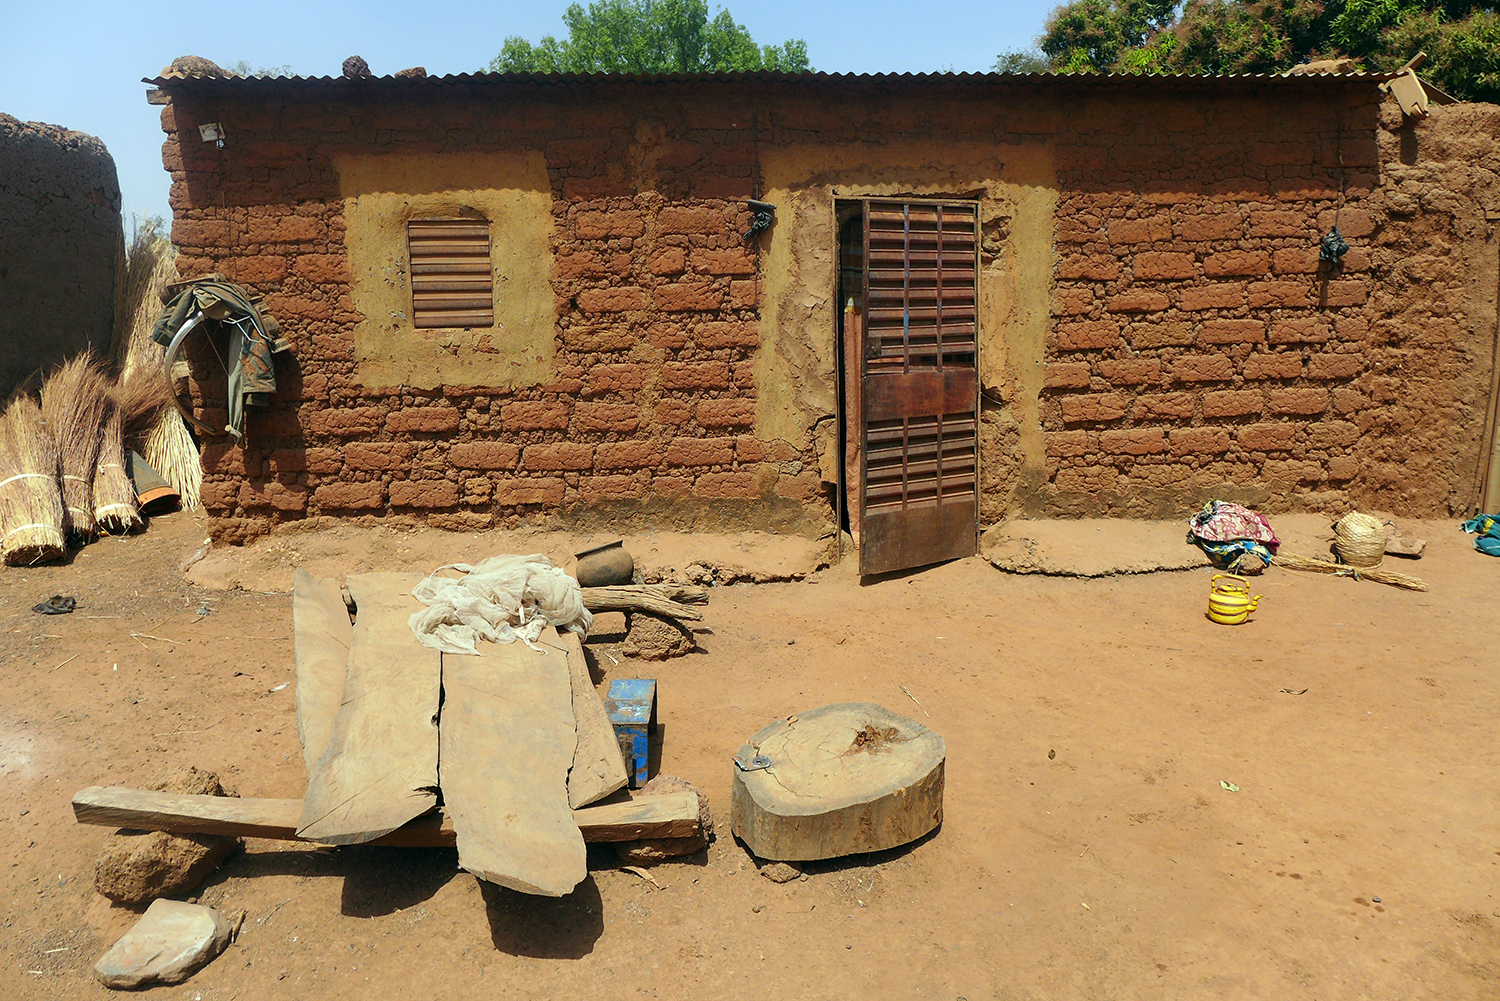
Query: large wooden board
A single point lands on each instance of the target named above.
(673, 815)
(380, 768)
(598, 769)
(507, 741)
(322, 633)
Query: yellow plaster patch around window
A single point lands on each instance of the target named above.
(511, 190)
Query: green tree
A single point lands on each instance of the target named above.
(1461, 37)
(648, 36)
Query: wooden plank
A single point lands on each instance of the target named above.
(380, 768)
(598, 769)
(673, 815)
(322, 632)
(507, 741)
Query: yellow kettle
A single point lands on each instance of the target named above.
(1229, 603)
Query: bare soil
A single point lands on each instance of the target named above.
(1360, 856)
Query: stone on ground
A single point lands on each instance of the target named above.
(134, 867)
(167, 945)
(657, 849)
(651, 637)
(781, 872)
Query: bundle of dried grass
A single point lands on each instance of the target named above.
(1359, 545)
(115, 507)
(1378, 574)
(75, 401)
(159, 434)
(31, 506)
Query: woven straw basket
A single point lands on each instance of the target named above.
(1359, 540)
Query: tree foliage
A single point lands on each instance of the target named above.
(1461, 38)
(648, 36)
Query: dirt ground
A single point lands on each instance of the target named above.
(1359, 858)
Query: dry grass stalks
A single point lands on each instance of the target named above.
(75, 401)
(31, 506)
(152, 423)
(1378, 574)
(115, 507)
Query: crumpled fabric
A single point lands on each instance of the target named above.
(502, 599)
(1225, 555)
(1223, 521)
(1487, 527)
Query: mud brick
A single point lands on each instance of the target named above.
(726, 485)
(424, 493)
(263, 269)
(589, 264)
(677, 219)
(1298, 330)
(1130, 371)
(1237, 262)
(1093, 407)
(1133, 441)
(1151, 229)
(1279, 223)
(1203, 368)
(750, 449)
(700, 452)
(805, 486)
(695, 375)
(1165, 406)
(558, 455)
(1090, 267)
(1331, 434)
(674, 412)
(627, 454)
(589, 339)
(1232, 332)
(219, 495)
(484, 455)
(1347, 292)
(1069, 443)
(1072, 301)
(1207, 227)
(290, 229)
(535, 415)
(726, 413)
(1295, 261)
(615, 487)
(200, 232)
(423, 419)
(743, 294)
(1199, 441)
(726, 334)
(1328, 366)
(1219, 295)
(668, 261)
(224, 458)
(590, 225)
(619, 299)
(684, 297)
(1342, 468)
(1087, 335)
(1280, 293)
(1353, 223)
(728, 261)
(618, 417)
(379, 455)
(323, 269)
(273, 494)
(1348, 401)
(1233, 403)
(1066, 375)
(345, 423)
(1298, 401)
(1163, 334)
(1164, 265)
(1273, 366)
(1267, 437)
(349, 496)
(518, 491)
(617, 378)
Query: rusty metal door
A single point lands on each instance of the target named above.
(919, 484)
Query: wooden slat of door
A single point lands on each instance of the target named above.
(452, 282)
(919, 492)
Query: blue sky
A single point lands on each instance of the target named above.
(78, 64)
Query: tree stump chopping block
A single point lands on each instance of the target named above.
(846, 778)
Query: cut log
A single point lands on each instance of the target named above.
(846, 778)
(598, 769)
(668, 816)
(653, 598)
(380, 767)
(322, 633)
(507, 739)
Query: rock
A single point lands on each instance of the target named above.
(166, 946)
(657, 849)
(189, 66)
(134, 867)
(413, 73)
(781, 872)
(355, 68)
(605, 567)
(651, 637)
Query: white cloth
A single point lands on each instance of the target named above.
(501, 599)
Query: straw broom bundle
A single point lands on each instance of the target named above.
(75, 401)
(165, 441)
(31, 507)
(115, 507)
(1359, 543)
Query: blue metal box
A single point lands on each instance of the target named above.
(631, 705)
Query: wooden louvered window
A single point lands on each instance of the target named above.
(452, 282)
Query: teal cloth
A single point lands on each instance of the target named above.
(1487, 527)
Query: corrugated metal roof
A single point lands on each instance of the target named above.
(1104, 79)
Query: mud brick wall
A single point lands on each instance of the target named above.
(1200, 349)
(1187, 343)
